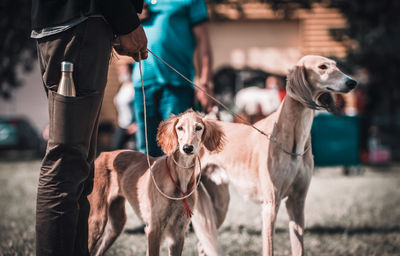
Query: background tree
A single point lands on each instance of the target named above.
(17, 50)
(374, 26)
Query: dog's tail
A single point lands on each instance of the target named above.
(107, 207)
(209, 215)
(98, 200)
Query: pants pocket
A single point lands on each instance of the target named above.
(72, 119)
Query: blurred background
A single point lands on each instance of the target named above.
(251, 41)
(254, 43)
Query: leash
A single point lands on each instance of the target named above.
(270, 137)
(187, 209)
(147, 147)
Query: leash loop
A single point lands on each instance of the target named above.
(147, 146)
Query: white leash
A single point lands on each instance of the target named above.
(147, 149)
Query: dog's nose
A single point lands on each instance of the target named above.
(188, 149)
(350, 83)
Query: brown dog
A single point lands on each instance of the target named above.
(125, 174)
(268, 170)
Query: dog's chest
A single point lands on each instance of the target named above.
(177, 214)
(286, 172)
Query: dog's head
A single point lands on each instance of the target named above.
(188, 132)
(314, 78)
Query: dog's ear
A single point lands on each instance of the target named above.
(166, 135)
(327, 102)
(213, 136)
(299, 88)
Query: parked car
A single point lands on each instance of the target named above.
(17, 133)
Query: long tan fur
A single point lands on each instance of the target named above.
(259, 169)
(124, 175)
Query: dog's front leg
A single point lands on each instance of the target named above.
(153, 241)
(175, 246)
(295, 209)
(269, 212)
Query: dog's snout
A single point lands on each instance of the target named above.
(351, 84)
(188, 149)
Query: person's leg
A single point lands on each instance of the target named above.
(153, 94)
(67, 169)
(120, 138)
(176, 100)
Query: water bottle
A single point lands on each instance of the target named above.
(66, 86)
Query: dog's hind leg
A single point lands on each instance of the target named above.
(115, 224)
(97, 223)
(295, 209)
(220, 197)
(204, 222)
(210, 212)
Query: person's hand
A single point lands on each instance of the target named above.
(132, 129)
(205, 101)
(145, 12)
(133, 44)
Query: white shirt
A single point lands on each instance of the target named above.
(123, 102)
(249, 100)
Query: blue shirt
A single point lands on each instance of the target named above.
(170, 36)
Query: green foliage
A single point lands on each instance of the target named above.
(17, 50)
(375, 27)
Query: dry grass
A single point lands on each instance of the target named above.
(356, 215)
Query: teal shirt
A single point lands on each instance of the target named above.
(170, 36)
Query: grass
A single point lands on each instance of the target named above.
(355, 215)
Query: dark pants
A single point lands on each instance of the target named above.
(121, 138)
(66, 175)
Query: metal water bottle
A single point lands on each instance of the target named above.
(66, 86)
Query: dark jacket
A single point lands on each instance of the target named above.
(121, 14)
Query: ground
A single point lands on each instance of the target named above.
(345, 215)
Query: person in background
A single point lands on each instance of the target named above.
(123, 102)
(175, 30)
(275, 83)
(80, 32)
(256, 103)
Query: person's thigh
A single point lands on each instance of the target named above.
(153, 118)
(87, 46)
(176, 100)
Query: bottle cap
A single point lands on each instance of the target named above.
(67, 66)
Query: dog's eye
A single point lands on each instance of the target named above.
(323, 66)
(180, 128)
(198, 128)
